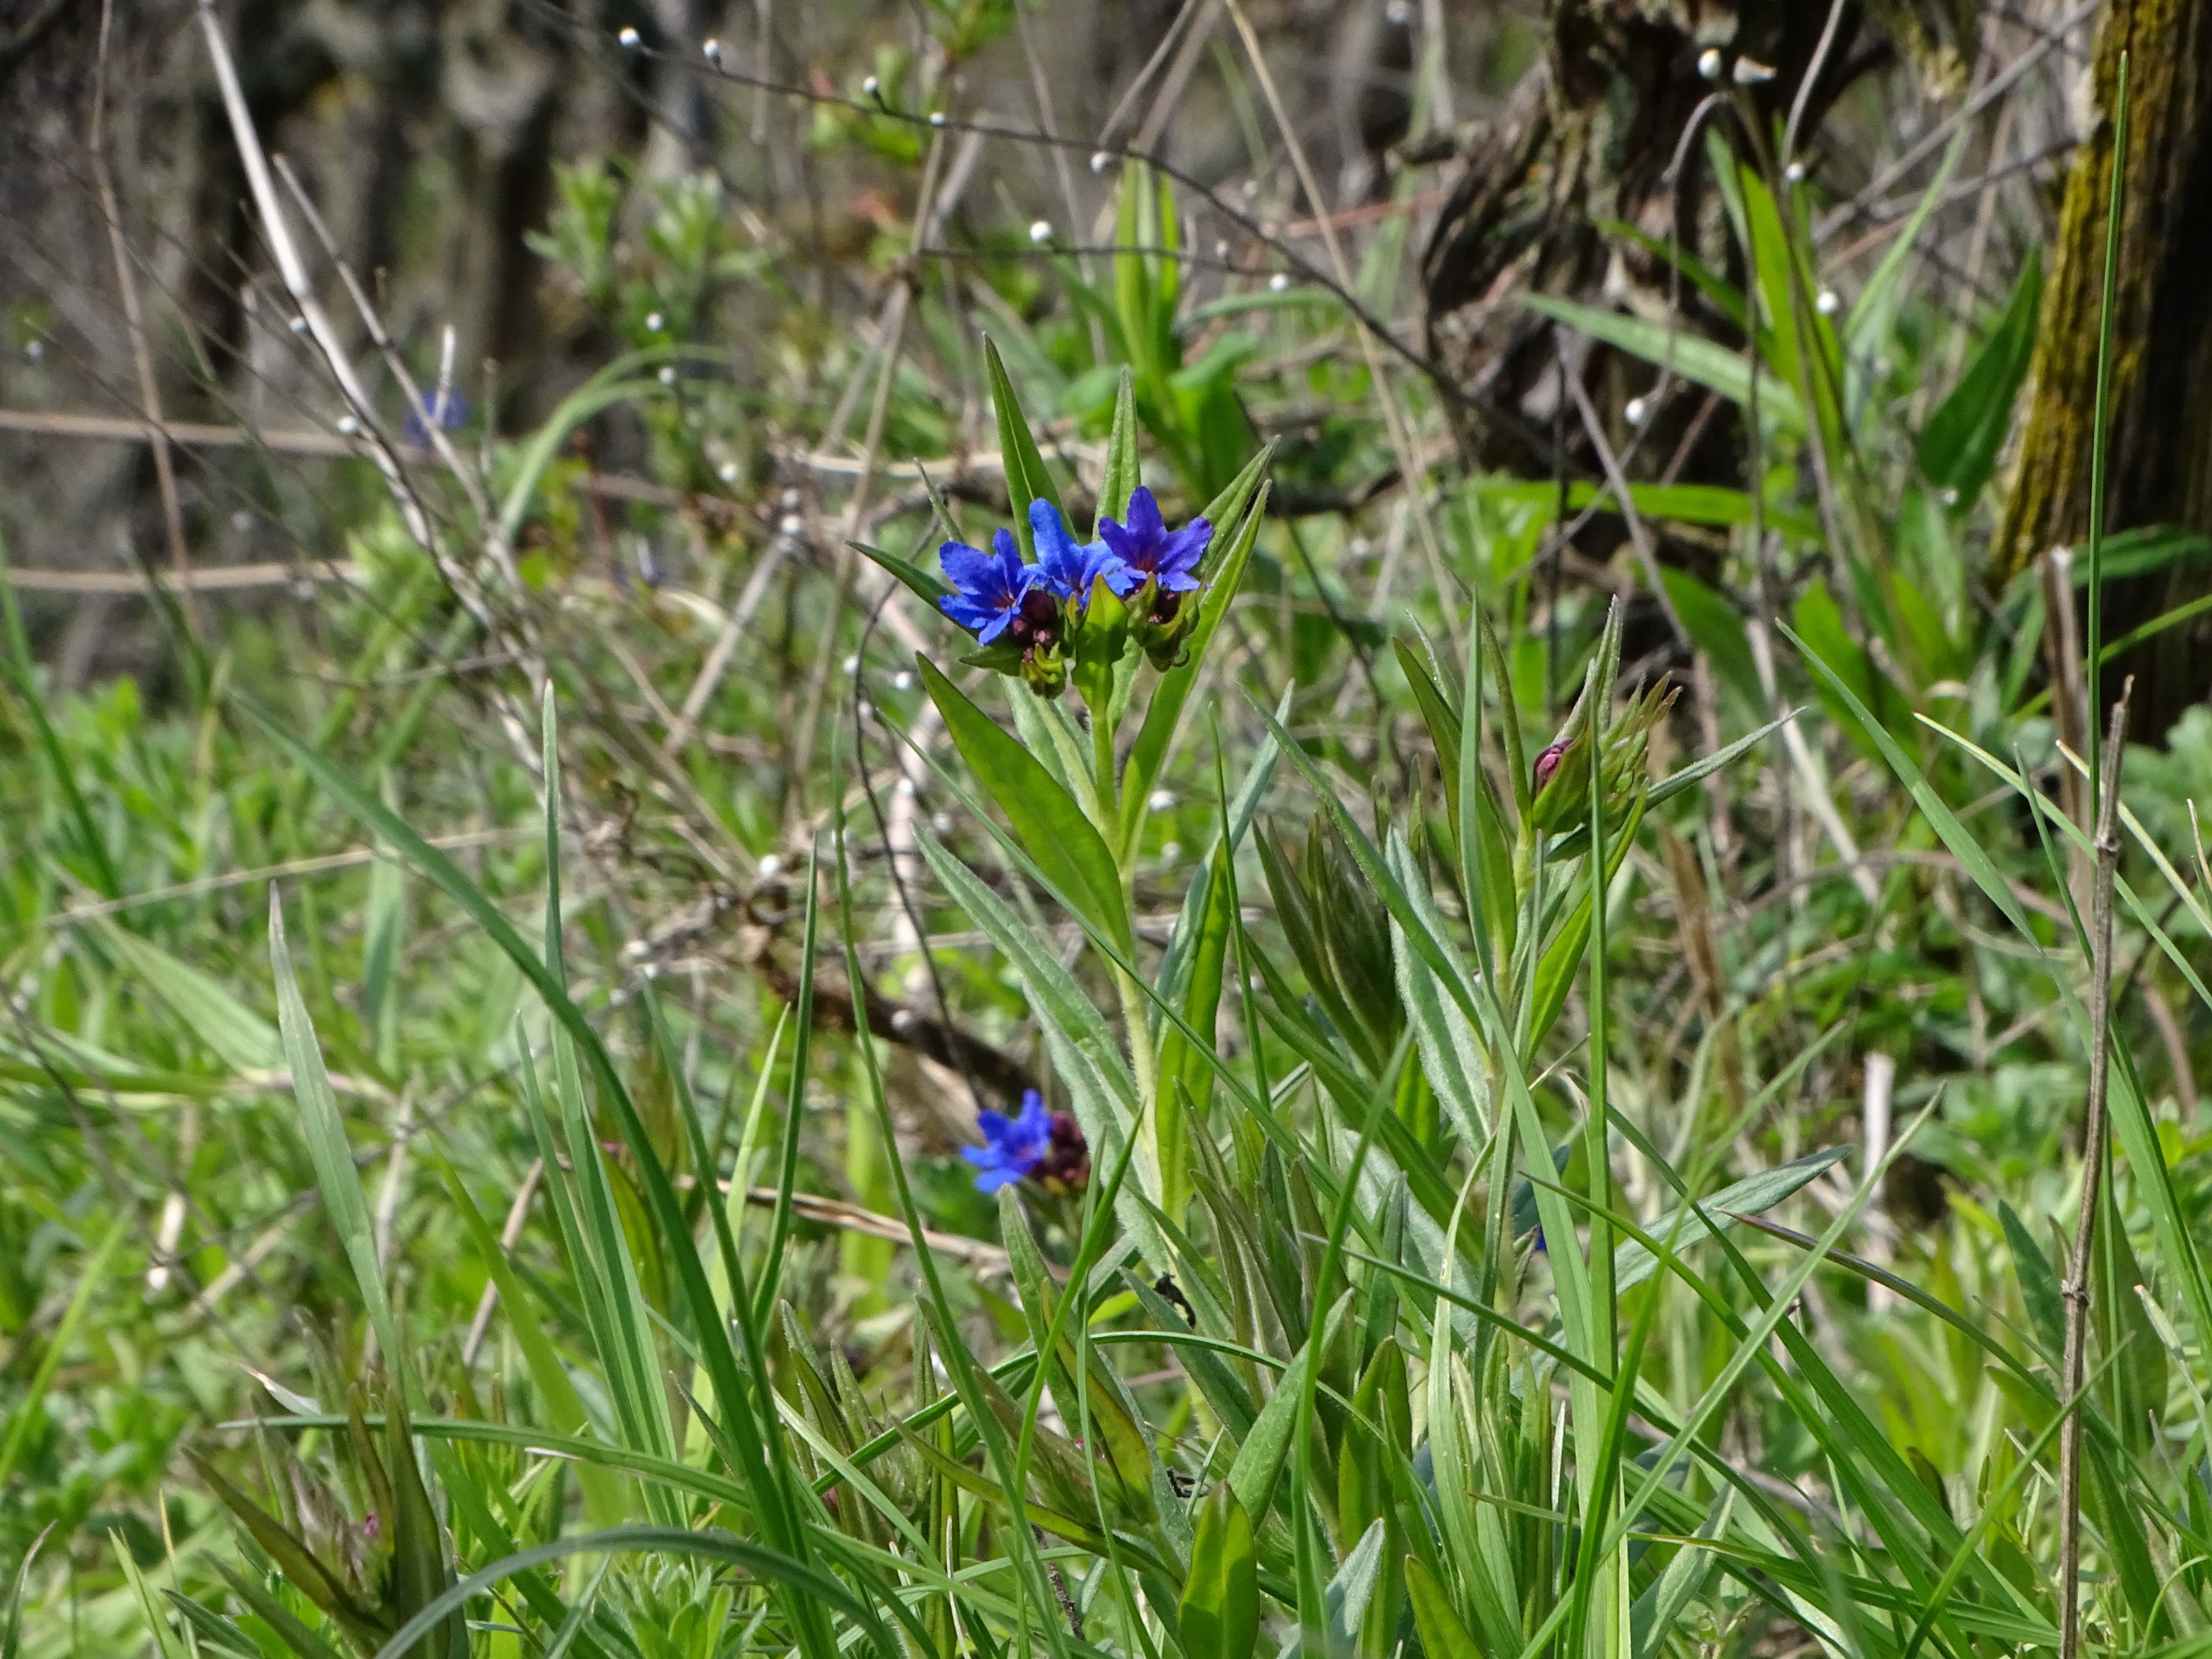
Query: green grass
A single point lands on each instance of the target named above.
(1533, 1289)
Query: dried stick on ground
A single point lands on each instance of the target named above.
(2092, 1169)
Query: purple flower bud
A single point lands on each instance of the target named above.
(1548, 762)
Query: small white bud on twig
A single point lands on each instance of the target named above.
(713, 53)
(629, 39)
(1638, 412)
(1040, 232)
(1828, 303)
(1750, 72)
(1279, 282)
(1709, 63)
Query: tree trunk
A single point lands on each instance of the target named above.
(1589, 136)
(2161, 434)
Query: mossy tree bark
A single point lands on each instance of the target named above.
(2161, 446)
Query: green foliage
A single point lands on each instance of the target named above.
(1465, 1238)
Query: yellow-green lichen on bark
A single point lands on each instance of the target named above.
(2157, 324)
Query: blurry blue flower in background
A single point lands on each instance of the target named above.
(988, 588)
(1147, 547)
(446, 409)
(1071, 567)
(1013, 1147)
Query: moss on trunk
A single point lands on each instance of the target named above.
(2160, 470)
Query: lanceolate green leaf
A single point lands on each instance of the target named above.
(1149, 753)
(1442, 1634)
(1026, 478)
(1712, 366)
(1051, 827)
(1633, 1264)
(325, 1132)
(924, 587)
(1221, 1608)
(1122, 476)
(245, 1040)
(1960, 444)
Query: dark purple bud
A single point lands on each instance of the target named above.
(1548, 762)
(1066, 1164)
(1036, 620)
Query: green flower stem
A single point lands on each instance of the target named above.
(1142, 1060)
(1109, 793)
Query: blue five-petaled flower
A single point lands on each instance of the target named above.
(988, 588)
(1071, 567)
(1145, 547)
(1013, 1147)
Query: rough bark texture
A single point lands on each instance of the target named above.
(2161, 449)
(1589, 136)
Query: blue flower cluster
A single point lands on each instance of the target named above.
(1032, 608)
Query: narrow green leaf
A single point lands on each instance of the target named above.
(1710, 364)
(2039, 1285)
(924, 587)
(1221, 1608)
(1874, 312)
(167, 1642)
(1026, 478)
(1121, 471)
(1960, 445)
(1443, 1635)
(1164, 713)
(334, 1171)
(1045, 816)
(241, 1038)
(1259, 1464)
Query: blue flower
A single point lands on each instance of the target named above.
(1070, 567)
(1013, 1147)
(988, 588)
(446, 409)
(1145, 547)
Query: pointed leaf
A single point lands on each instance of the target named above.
(1045, 816)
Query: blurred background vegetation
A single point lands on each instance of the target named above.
(607, 328)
